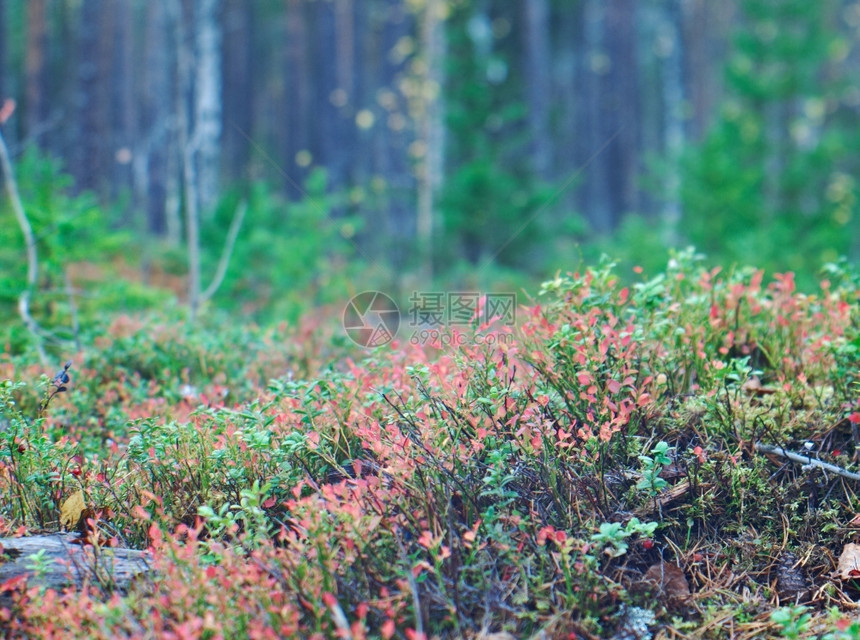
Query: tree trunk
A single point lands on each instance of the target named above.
(621, 119)
(180, 60)
(37, 38)
(187, 146)
(430, 131)
(673, 108)
(4, 38)
(537, 83)
(298, 95)
(155, 106)
(343, 98)
(64, 79)
(705, 33)
(329, 127)
(238, 92)
(392, 160)
(568, 149)
(125, 110)
(91, 105)
(205, 141)
(598, 206)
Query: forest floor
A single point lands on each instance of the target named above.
(674, 459)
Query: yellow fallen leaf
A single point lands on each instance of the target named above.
(73, 507)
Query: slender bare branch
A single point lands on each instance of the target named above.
(30, 242)
(229, 245)
(805, 460)
(20, 215)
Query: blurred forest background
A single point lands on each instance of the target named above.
(343, 145)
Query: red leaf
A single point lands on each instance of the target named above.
(387, 629)
(12, 583)
(7, 110)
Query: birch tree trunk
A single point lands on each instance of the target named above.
(206, 139)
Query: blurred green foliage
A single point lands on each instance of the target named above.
(773, 182)
(775, 179)
(289, 255)
(485, 202)
(69, 229)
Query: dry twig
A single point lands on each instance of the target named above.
(805, 460)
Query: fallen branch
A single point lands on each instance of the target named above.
(30, 241)
(68, 562)
(805, 460)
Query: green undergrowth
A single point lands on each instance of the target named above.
(595, 471)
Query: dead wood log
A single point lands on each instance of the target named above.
(65, 563)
